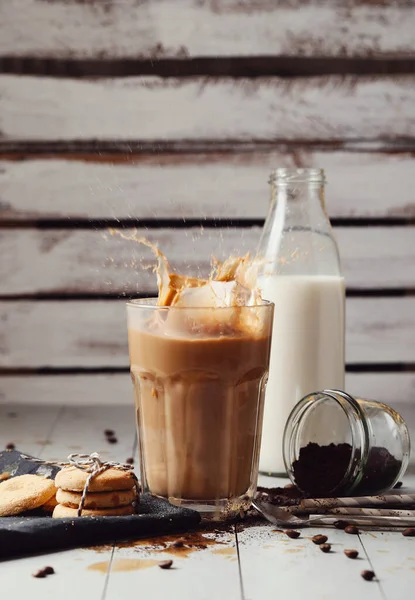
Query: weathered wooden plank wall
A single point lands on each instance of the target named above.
(55, 261)
(167, 116)
(231, 184)
(187, 28)
(219, 109)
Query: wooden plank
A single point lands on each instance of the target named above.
(81, 429)
(73, 261)
(222, 109)
(273, 565)
(87, 261)
(397, 389)
(28, 427)
(212, 185)
(72, 573)
(94, 333)
(197, 573)
(181, 28)
(393, 560)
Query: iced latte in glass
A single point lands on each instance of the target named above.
(199, 367)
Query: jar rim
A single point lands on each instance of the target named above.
(282, 175)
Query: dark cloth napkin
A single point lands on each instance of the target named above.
(28, 534)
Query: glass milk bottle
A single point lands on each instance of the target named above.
(300, 273)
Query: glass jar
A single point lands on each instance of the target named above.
(337, 445)
(300, 273)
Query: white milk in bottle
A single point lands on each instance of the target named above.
(300, 273)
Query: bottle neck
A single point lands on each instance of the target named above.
(298, 205)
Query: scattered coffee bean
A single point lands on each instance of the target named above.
(367, 575)
(39, 574)
(397, 485)
(292, 534)
(109, 432)
(179, 543)
(4, 476)
(325, 548)
(351, 529)
(319, 539)
(10, 446)
(165, 564)
(351, 553)
(289, 486)
(112, 440)
(130, 461)
(341, 524)
(410, 532)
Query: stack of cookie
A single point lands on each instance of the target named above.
(111, 493)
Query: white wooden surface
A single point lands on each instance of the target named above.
(254, 564)
(94, 334)
(216, 109)
(230, 184)
(102, 389)
(72, 260)
(180, 28)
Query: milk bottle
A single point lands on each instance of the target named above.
(300, 273)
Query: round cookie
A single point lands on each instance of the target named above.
(95, 500)
(74, 479)
(65, 511)
(50, 504)
(24, 492)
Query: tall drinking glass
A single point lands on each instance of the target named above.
(199, 377)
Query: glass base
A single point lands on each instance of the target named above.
(222, 509)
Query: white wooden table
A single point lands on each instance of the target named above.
(255, 563)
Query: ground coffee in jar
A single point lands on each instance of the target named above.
(336, 445)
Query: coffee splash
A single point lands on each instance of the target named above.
(231, 282)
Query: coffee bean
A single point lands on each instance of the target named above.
(112, 440)
(109, 432)
(179, 543)
(319, 539)
(351, 553)
(10, 446)
(130, 461)
(351, 529)
(39, 574)
(397, 485)
(289, 486)
(340, 524)
(410, 532)
(367, 575)
(44, 572)
(325, 548)
(165, 564)
(292, 534)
